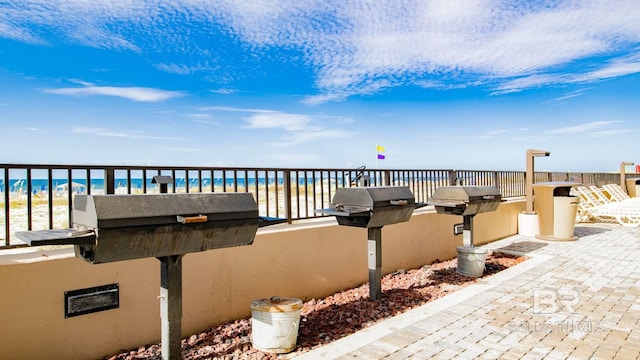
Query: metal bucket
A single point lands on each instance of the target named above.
(274, 324)
(471, 261)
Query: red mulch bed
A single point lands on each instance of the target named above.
(325, 320)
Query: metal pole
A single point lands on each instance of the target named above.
(109, 181)
(467, 230)
(170, 295)
(529, 184)
(374, 245)
(171, 306)
(623, 175)
(287, 195)
(530, 173)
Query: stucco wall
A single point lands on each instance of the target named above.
(309, 260)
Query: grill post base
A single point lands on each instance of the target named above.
(171, 306)
(374, 247)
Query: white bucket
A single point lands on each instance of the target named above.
(528, 224)
(274, 324)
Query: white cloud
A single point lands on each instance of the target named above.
(140, 94)
(584, 128)
(288, 122)
(118, 134)
(498, 132)
(612, 132)
(181, 149)
(570, 95)
(182, 69)
(15, 33)
(236, 109)
(311, 135)
(297, 128)
(224, 91)
(361, 47)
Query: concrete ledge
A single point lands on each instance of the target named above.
(305, 260)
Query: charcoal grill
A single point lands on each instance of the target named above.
(372, 208)
(467, 201)
(109, 228)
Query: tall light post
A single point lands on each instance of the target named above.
(623, 174)
(531, 153)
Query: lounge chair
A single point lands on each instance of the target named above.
(596, 206)
(602, 197)
(617, 193)
(625, 213)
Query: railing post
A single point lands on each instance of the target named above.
(387, 178)
(452, 177)
(109, 180)
(29, 201)
(496, 180)
(287, 195)
(7, 206)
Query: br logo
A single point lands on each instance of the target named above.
(553, 301)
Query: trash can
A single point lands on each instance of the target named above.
(274, 324)
(556, 210)
(633, 187)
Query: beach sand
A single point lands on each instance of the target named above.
(270, 204)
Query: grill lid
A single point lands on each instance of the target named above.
(465, 194)
(115, 211)
(465, 200)
(110, 228)
(372, 206)
(362, 199)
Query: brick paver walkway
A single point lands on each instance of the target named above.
(570, 300)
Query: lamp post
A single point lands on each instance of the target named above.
(531, 153)
(623, 174)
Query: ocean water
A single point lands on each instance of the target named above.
(20, 185)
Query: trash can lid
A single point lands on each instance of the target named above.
(276, 304)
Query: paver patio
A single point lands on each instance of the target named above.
(570, 300)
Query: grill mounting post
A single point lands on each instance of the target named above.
(374, 247)
(467, 230)
(171, 306)
(170, 295)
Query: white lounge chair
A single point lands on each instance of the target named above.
(602, 197)
(595, 206)
(617, 193)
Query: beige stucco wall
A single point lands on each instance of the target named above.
(309, 260)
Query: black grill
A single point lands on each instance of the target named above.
(109, 228)
(372, 208)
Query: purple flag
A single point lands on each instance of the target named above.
(380, 157)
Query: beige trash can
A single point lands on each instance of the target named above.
(564, 216)
(633, 186)
(556, 210)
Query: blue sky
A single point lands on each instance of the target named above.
(455, 84)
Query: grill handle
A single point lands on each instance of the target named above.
(398, 202)
(192, 219)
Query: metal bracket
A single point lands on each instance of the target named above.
(458, 229)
